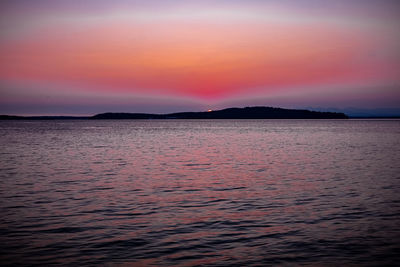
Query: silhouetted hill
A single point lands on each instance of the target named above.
(127, 116)
(231, 113)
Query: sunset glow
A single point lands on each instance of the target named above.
(114, 53)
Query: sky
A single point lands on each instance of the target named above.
(82, 57)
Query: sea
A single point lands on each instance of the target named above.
(200, 193)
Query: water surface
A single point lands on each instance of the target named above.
(191, 193)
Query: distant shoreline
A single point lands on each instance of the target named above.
(229, 113)
(71, 118)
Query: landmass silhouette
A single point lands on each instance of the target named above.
(229, 113)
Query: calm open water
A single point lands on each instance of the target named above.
(200, 193)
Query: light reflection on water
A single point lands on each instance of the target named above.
(212, 192)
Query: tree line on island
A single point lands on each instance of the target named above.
(229, 113)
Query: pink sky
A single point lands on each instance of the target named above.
(82, 57)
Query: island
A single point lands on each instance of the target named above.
(229, 113)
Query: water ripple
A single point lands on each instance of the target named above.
(200, 193)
